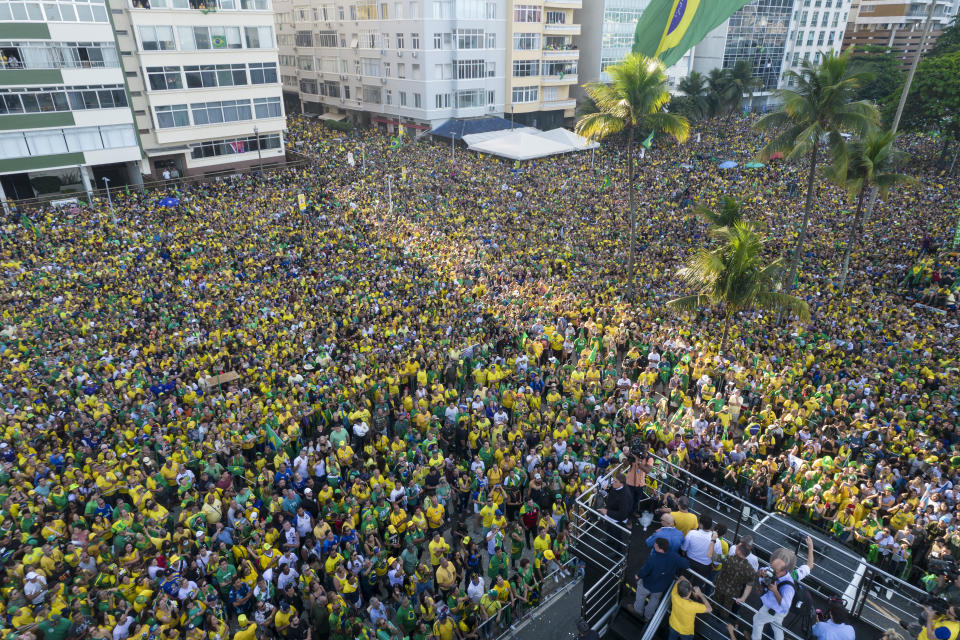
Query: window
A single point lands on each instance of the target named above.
(386, 69)
(491, 11)
(305, 63)
(387, 96)
(810, 37)
(556, 17)
(799, 37)
(213, 148)
(367, 10)
(415, 72)
(304, 38)
(826, 17)
(157, 39)
(443, 71)
(559, 68)
(164, 78)
(173, 115)
(199, 38)
(526, 13)
(803, 19)
(491, 69)
(403, 98)
(263, 72)
(471, 69)
(796, 58)
(437, 41)
(415, 41)
(414, 11)
(371, 67)
(469, 38)
(491, 97)
(288, 61)
(401, 70)
(399, 41)
(218, 112)
(215, 75)
(308, 86)
(442, 100)
(259, 37)
(442, 9)
(836, 19)
(467, 98)
(526, 68)
(326, 38)
(615, 40)
(525, 94)
(531, 41)
(606, 62)
(397, 11)
(330, 89)
(74, 98)
(417, 101)
(620, 15)
(267, 108)
(820, 38)
(830, 40)
(50, 11)
(372, 95)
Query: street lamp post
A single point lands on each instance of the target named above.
(390, 193)
(256, 134)
(106, 182)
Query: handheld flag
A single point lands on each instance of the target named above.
(667, 30)
(275, 441)
(606, 182)
(648, 142)
(28, 223)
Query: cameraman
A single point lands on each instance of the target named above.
(941, 623)
(778, 591)
(835, 626)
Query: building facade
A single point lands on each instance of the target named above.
(897, 24)
(204, 83)
(65, 118)
(543, 61)
(417, 63)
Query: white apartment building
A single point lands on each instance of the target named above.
(816, 28)
(65, 121)
(417, 63)
(204, 83)
(898, 25)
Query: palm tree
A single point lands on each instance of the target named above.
(863, 165)
(633, 102)
(696, 100)
(734, 278)
(718, 84)
(728, 215)
(821, 106)
(741, 82)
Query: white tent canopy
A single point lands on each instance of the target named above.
(527, 143)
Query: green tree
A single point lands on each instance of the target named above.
(811, 115)
(863, 164)
(734, 278)
(949, 40)
(741, 82)
(880, 70)
(718, 91)
(633, 103)
(934, 100)
(695, 101)
(728, 215)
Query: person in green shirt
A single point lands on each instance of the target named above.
(406, 617)
(497, 565)
(56, 627)
(225, 575)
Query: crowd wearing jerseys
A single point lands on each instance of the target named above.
(237, 418)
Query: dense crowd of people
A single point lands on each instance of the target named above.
(234, 418)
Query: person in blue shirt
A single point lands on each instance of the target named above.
(673, 535)
(835, 627)
(656, 576)
(777, 595)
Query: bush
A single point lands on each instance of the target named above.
(339, 125)
(46, 184)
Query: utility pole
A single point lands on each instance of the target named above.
(903, 98)
(390, 193)
(256, 134)
(106, 182)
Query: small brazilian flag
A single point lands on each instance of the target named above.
(606, 182)
(669, 28)
(648, 142)
(275, 441)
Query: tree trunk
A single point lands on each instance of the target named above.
(854, 233)
(633, 216)
(726, 331)
(798, 248)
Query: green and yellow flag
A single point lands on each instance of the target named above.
(669, 28)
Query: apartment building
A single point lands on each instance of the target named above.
(543, 59)
(416, 63)
(65, 120)
(897, 24)
(816, 29)
(203, 81)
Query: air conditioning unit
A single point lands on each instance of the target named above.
(414, 54)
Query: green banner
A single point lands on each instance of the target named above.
(669, 28)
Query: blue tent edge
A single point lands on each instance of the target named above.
(460, 128)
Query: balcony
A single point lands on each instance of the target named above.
(566, 4)
(556, 105)
(564, 54)
(562, 29)
(565, 79)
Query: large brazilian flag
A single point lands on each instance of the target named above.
(668, 28)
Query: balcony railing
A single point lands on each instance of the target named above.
(552, 105)
(567, 54)
(567, 78)
(568, 4)
(568, 29)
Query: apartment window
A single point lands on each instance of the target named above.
(796, 58)
(213, 148)
(45, 99)
(415, 41)
(530, 41)
(372, 95)
(263, 72)
(621, 16)
(267, 108)
(340, 13)
(397, 10)
(305, 63)
(491, 40)
(21, 144)
(471, 69)
(399, 41)
(199, 38)
(172, 115)
(164, 78)
(417, 101)
(814, 18)
(303, 15)
(803, 19)
(249, 5)
(526, 13)
(219, 112)
(826, 17)
(491, 97)
(288, 81)
(836, 19)
(442, 100)
(467, 98)
(556, 17)
(403, 98)
(327, 39)
(438, 41)
(559, 68)
(469, 38)
(308, 86)
(353, 12)
(386, 69)
(93, 11)
(608, 41)
(158, 38)
(443, 71)
(367, 10)
(304, 38)
(799, 37)
(259, 37)
(415, 72)
(442, 9)
(215, 75)
(830, 39)
(61, 55)
(491, 11)
(288, 61)
(371, 67)
(387, 96)
(821, 37)
(401, 70)
(526, 68)
(607, 62)
(525, 94)
(810, 37)
(330, 89)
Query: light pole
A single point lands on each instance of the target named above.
(256, 134)
(511, 115)
(106, 182)
(453, 148)
(390, 193)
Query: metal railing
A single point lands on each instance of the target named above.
(876, 597)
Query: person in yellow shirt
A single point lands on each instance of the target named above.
(435, 515)
(684, 609)
(438, 548)
(246, 630)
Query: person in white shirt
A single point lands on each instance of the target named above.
(288, 575)
(836, 627)
(697, 545)
(122, 629)
(475, 589)
(35, 587)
